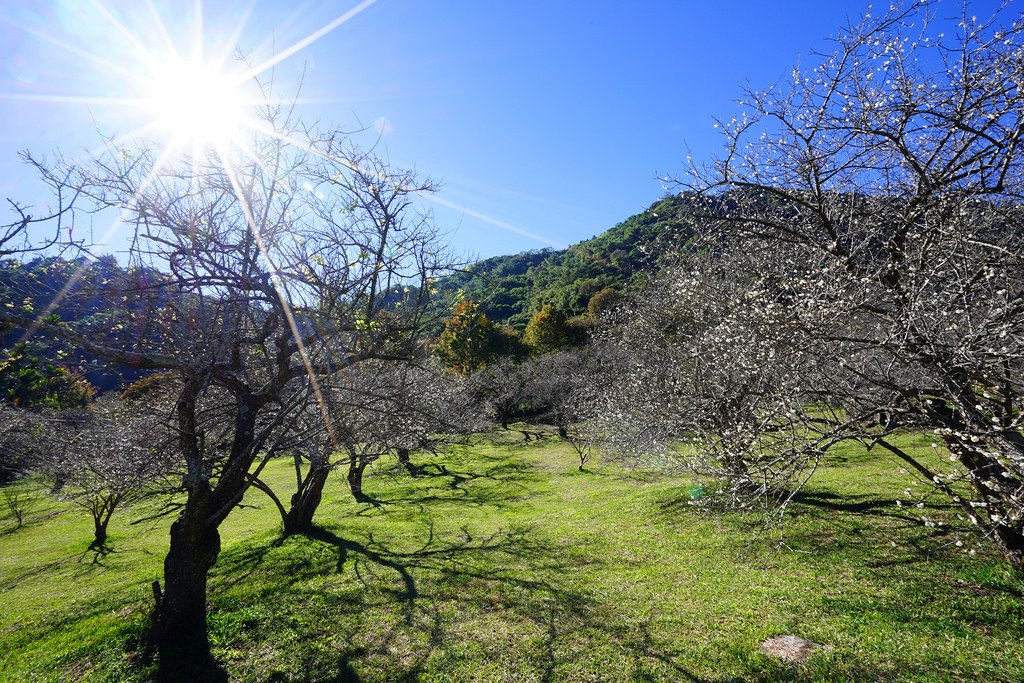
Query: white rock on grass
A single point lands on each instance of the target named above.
(791, 649)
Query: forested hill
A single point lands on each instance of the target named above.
(116, 305)
(509, 289)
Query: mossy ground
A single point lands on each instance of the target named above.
(504, 563)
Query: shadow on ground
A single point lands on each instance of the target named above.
(394, 598)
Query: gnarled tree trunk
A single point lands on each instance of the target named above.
(299, 517)
(181, 614)
(101, 515)
(1010, 539)
(179, 625)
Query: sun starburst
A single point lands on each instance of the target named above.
(192, 106)
(197, 103)
(183, 89)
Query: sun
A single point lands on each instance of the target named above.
(196, 104)
(157, 69)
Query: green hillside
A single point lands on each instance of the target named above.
(511, 288)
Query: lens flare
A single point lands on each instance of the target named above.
(383, 126)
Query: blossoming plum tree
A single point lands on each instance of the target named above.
(860, 272)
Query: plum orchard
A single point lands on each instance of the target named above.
(859, 272)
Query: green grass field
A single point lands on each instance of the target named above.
(507, 564)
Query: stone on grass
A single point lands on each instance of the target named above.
(791, 649)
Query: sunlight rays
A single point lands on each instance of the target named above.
(191, 97)
(141, 50)
(307, 41)
(80, 270)
(428, 197)
(75, 99)
(179, 86)
(107, 65)
(161, 28)
(201, 104)
(284, 299)
(495, 222)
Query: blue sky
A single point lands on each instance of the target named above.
(545, 122)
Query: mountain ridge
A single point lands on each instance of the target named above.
(510, 288)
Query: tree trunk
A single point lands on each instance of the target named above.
(991, 483)
(99, 525)
(179, 621)
(181, 614)
(58, 485)
(403, 459)
(299, 517)
(179, 626)
(1010, 540)
(102, 511)
(355, 479)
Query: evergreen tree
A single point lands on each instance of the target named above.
(468, 341)
(602, 301)
(547, 332)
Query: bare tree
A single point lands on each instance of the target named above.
(21, 235)
(15, 433)
(387, 410)
(18, 502)
(567, 384)
(861, 270)
(311, 445)
(104, 458)
(570, 385)
(19, 430)
(375, 409)
(698, 374)
(276, 269)
(506, 389)
(439, 405)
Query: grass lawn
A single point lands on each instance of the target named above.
(505, 563)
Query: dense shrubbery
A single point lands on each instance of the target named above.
(27, 380)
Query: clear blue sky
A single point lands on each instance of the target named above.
(548, 117)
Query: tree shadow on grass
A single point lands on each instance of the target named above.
(858, 504)
(494, 486)
(514, 578)
(244, 562)
(918, 577)
(511, 576)
(346, 547)
(85, 563)
(98, 553)
(453, 568)
(918, 568)
(12, 528)
(504, 474)
(864, 526)
(454, 564)
(820, 505)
